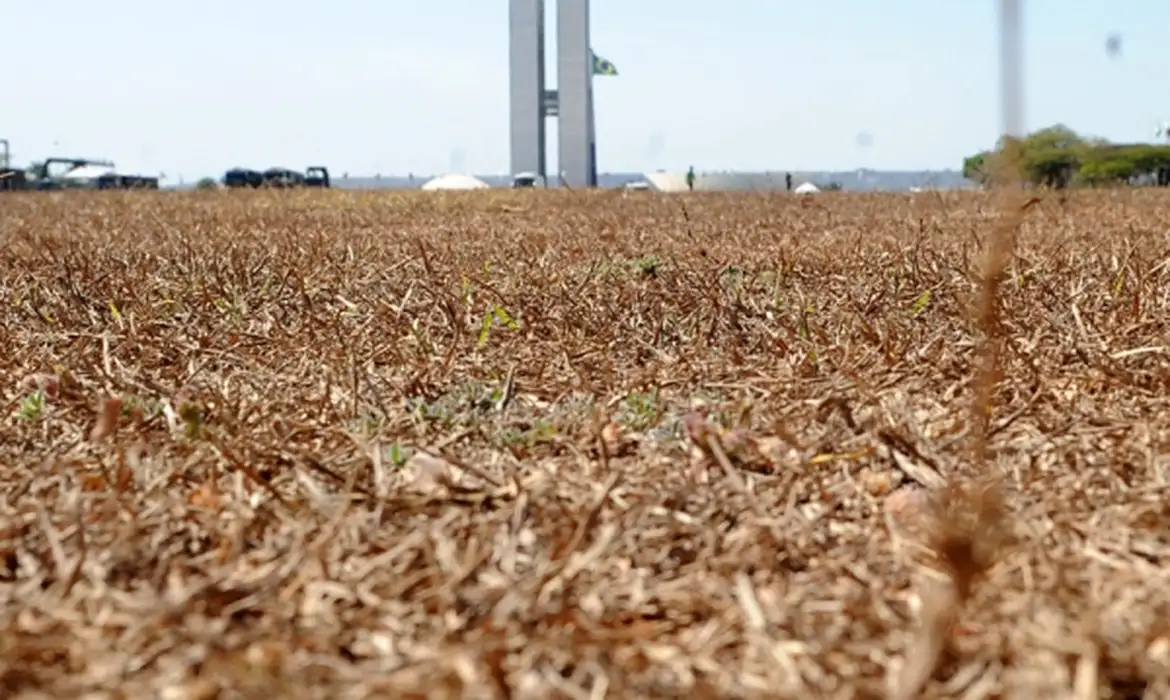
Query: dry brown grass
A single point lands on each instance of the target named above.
(540, 445)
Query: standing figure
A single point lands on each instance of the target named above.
(788, 181)
(691, 179)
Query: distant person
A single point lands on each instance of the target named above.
(691, 179)
(788, 181)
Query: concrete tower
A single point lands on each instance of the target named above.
(571, 103)
(526, 67)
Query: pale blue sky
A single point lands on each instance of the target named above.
(393, 86)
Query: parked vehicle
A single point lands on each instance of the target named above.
(84, 173)
(68, 173)
(280, 178)
(317, 176)
(243, 177)
(526, 180)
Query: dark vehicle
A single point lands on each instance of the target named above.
(525, 180)
(282, 178)
(243, 177)
(131, 182)
(10, 178)
(317, 176)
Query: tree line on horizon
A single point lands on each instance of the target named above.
(1059, 157)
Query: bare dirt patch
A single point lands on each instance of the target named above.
(538, 445)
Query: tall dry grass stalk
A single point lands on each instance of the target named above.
(1001, 242)
(964, 551)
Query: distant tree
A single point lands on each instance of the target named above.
(976, 167)
(1098, 171)
(1050, 157)
(1148, 158)
(1058, 157)
(207, 183)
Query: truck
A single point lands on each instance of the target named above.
(277, 177)
(243, 177)
(317, 176)
(67, 173)
(84, 174)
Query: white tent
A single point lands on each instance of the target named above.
(455, 182)
(807, 188)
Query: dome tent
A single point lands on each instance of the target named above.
(455, 182)
(806, 188)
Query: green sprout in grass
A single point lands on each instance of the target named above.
(192, 417)
(494, 315)
(648, 266)
(397, 454)
(539, 432)
(642, 409)
(920, 304)
(32, 407)
(803, 329)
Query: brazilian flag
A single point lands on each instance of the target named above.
(602, 66)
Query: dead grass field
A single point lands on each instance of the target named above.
(558, 445)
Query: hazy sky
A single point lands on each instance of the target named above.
(392, 86)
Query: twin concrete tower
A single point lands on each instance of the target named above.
(571, 102)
